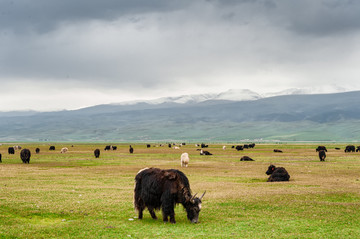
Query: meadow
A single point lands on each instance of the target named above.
(74, 195)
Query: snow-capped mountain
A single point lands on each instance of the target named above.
(236, 95)
(307, 91)
(231, 95)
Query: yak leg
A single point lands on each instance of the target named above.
(140, 213)
(172, 217)
(140, 207)
(167, 206)
(168, 211)
(152, 213)
(165, 217)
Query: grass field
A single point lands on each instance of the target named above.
(74, 195)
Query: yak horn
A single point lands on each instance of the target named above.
(202, 195)
(192, 198)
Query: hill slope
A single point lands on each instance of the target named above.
(289, 117)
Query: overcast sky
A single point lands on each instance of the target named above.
(71, 54)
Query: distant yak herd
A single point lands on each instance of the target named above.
(158, 189)
(25, 154)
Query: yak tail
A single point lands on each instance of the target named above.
(137, 189)
(137, 196)
(137, 192)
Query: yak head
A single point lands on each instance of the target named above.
(270, 170)
(193, 208)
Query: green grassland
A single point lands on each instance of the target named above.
(74, 195)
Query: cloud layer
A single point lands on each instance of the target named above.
(70, 54)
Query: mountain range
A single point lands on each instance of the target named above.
(232, 116)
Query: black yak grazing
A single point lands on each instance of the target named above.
(0, 159)
(156, 188)
(107, 147)
(25, 155)
(11, 150)
(349, 148)
(52, 148)
(97, 153)
(131, 149)
(322, 155)
(37, 150)
(321, 148)
(277, 174)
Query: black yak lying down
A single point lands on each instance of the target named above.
(156, 188)
(277, 174)
(204, 152)
(246, 158)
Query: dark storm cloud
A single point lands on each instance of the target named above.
(307, 16)
(45, 15)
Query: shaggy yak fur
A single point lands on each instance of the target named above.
(322, 155)
(97, 153)
(277, 174)
(25, 155)
(156, 188)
